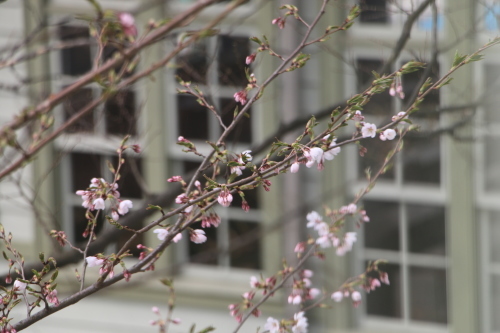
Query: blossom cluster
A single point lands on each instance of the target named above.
(328, 237)
(299, 324)
(98, 192)
(301, 290)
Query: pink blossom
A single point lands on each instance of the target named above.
(181, 198)
(314, 155)
(254, 282)
(177, 238)
(294, 299)
(368, 130)
(300, 247)
(332, 151)
(94, 261)
(198, 236)
(314, 292)
(388, 134)
(241, 97)
(174, 179)
(19, 285)
(114, 215)
(175, 321)
(400, 115)
(124, 207)
(295, 167)
(250, 58)
(337, 296)
(162, 233)
(225, 198)
(52, 297)
(98, 204)
(356, 296)
(384, 278)
(307, 273)
(155, 310)
(358, 116)
(313, 219)
(272, 325)
(128, 24)
(301, 323)
(279, 22)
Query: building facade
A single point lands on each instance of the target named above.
(434, 215)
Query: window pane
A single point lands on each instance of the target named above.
(386, 300)
(128, 185)
(382, 232)
(84, 167)
(80, 223)
(243, 130)
(193, 63)
(73, 104)
(204, 253)
(120, 114)
(373, 11)
(245, 245)
(428, 294)
(374, 157)
(411, 83)
(75, 60)
(426, 229)
(491, 98)
(380, 104)
(421, 158)
(232, 55)
(193, 118)
(122, 236)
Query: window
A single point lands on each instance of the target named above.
(92, 141)
(407, 215)
(217, 66)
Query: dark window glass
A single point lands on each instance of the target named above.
(193, 63)
(84, 167)
(374, 158)
(380, 104)
(80, 223)
(383, 230)
(426, 229)
(120, 114)
(73, 104)
(75, 60)
(428, 294)
(386, 300)
(123, 236)
(421, 159)
(373, 11)
(244, 244)
(205, 253)
(131, 173)
(411, 85)
(193, 118)
(250, 196)
(243, 130)
(232, 54)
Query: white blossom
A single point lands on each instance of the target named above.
(21, 286)
(337, 296)
(272, 325)
(388, 134)
(198, 236)
(162, 233)
(369, 130)
(94, 261)
(124, 207)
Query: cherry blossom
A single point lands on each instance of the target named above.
(388, 134)
(368, 130)
(313, 219)
(225, 198)
(250, 58)
(272, 325)
(254, 282)
(162, 233)
(94, 261)
(241, 97)
(295, 167)
(337, 296)
(301, 323)
(128, 24)
(98, 204)
(279, 22)
(19, 285)
(124, 207)
(198, 236)
(356, 296)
